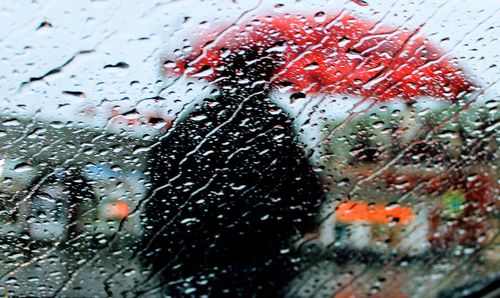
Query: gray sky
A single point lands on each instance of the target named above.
(85, 36)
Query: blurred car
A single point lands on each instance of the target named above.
(62, 177)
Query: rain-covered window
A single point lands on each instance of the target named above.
(249, 148)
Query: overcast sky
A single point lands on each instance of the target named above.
(85, 36)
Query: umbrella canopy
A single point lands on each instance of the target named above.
(340, 54)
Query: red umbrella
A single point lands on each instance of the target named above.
(316, 54)
(341, 54)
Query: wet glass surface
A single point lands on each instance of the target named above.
(249, 148)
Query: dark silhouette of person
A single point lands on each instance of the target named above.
(232, 190)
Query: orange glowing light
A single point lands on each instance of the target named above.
(374, 214)
(117, 210)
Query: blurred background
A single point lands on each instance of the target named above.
(84, 98)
